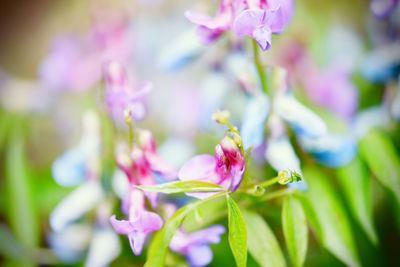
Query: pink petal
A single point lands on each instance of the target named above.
(200, 168)
(159, 165)
(122, 227)
(236, 159)
(136, 240)
(221, 21)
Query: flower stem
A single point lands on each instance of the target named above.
(259, 66)
(270, 182)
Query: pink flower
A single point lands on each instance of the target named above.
(226, 168)
(140, 223)
(195, 245)
(141, 163)
(212, 27)
(261, 23)
(122, 96)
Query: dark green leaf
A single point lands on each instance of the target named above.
(237, 233)
(159, 244)
(295, 229)
(179, 187)
(355, 181)
(380, 154)
(262, 242)
(336, 234)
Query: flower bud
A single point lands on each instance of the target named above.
(221, 117)
(289, 177)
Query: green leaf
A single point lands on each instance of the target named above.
(336, 234)
(159, 244)
(354, 179)
(21, 209)
(205, 215)
(237, 233)
(179, 187)
(262, 242)
(295, 229)
(380, 154)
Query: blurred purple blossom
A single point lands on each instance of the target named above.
(74, 63)
(121, 96)
(195, 245)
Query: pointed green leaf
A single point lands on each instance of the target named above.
(21, 209)
(179, 187)
(262, 242)
(336, 234)
(380, 154)
(237, 233)
(159, 244)
(295, 229)
(355, 181)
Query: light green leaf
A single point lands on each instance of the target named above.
(355, 181)
(21, 209)
(237, 232)
(336, 234)
(159, 244)
(295, 229)
(179, 187)
(262, 242)
(205, 215)
(380, 154)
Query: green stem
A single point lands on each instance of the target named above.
(270, 182)
(259, 66)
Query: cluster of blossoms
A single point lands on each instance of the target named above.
(272, 118)
(258, 19)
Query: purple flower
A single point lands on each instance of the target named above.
(333, 89)
(75, 63)
(260, 24)
(225, 168)
(140, 223)
(383, 8)
(121, 96)
(194, 245)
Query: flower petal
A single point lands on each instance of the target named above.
(76, 204)
(104, 248)
(302, 120)
(236, 160)
(280, 154)
(247, 21)
(122, 227)
(198, 256)
(254, 119)
(210, 235)
(332, 150)
(136, 240)
(263, 36)
(200, 168)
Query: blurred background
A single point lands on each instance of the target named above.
(51, 54)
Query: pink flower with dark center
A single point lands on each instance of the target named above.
(225, 168)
